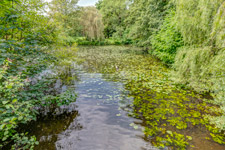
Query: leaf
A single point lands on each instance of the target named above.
(135, 127)
(20, 118)
(13, 16)
(189, 138)
(118, 115)
(131, 124)
(169, 132)
(6, 132)
(3, 50)
(9, 86)
(4, 102)
(4, 138)
(36, 142)
(2, 126)
(14, 100)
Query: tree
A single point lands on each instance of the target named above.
(195, 19)
(113, 14)
(144, 18)
(19, 22)
(65, 14)
(91, 21)
(200, 64)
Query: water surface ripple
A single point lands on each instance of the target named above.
(95, 121)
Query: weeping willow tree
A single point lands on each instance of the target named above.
(201, 63)
(195, 19)
(91, 21)
(218, 28)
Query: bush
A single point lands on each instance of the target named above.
(20, 100)
(167, 40)
(13, 110)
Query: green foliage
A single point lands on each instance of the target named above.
(191, 66)
(65, 53)
(23, 24)
(195, 19)
(144, 19)
(132, 20)
(65, 16)
(109, 41)
(91, 22)
(178, 141)
(85, 41)
(13, 109)
(188, 33)
(218, 29)
(19, 100)
(62, 99)
(201, 65)
(25, 34)
(22, 142)
(72, 22)
(203, 70)
(113, 16)
(170, 113)
(166, 41)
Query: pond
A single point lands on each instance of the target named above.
(126, 100)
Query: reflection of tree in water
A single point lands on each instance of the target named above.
(53, 121)
(47, 128)
(66, 75)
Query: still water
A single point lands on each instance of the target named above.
(107, 114)
(94, 122)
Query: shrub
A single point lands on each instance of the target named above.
(13, 110)
(167, 40)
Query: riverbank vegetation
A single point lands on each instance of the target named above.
(187, 36)
(173, 117)
(27, 47)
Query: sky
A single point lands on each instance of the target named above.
(87, 2)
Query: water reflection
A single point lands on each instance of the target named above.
(170, 114)
(94, 122)
(102, 129)
(116, 87)
(47, 128)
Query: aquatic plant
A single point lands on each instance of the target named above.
(169, 111)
